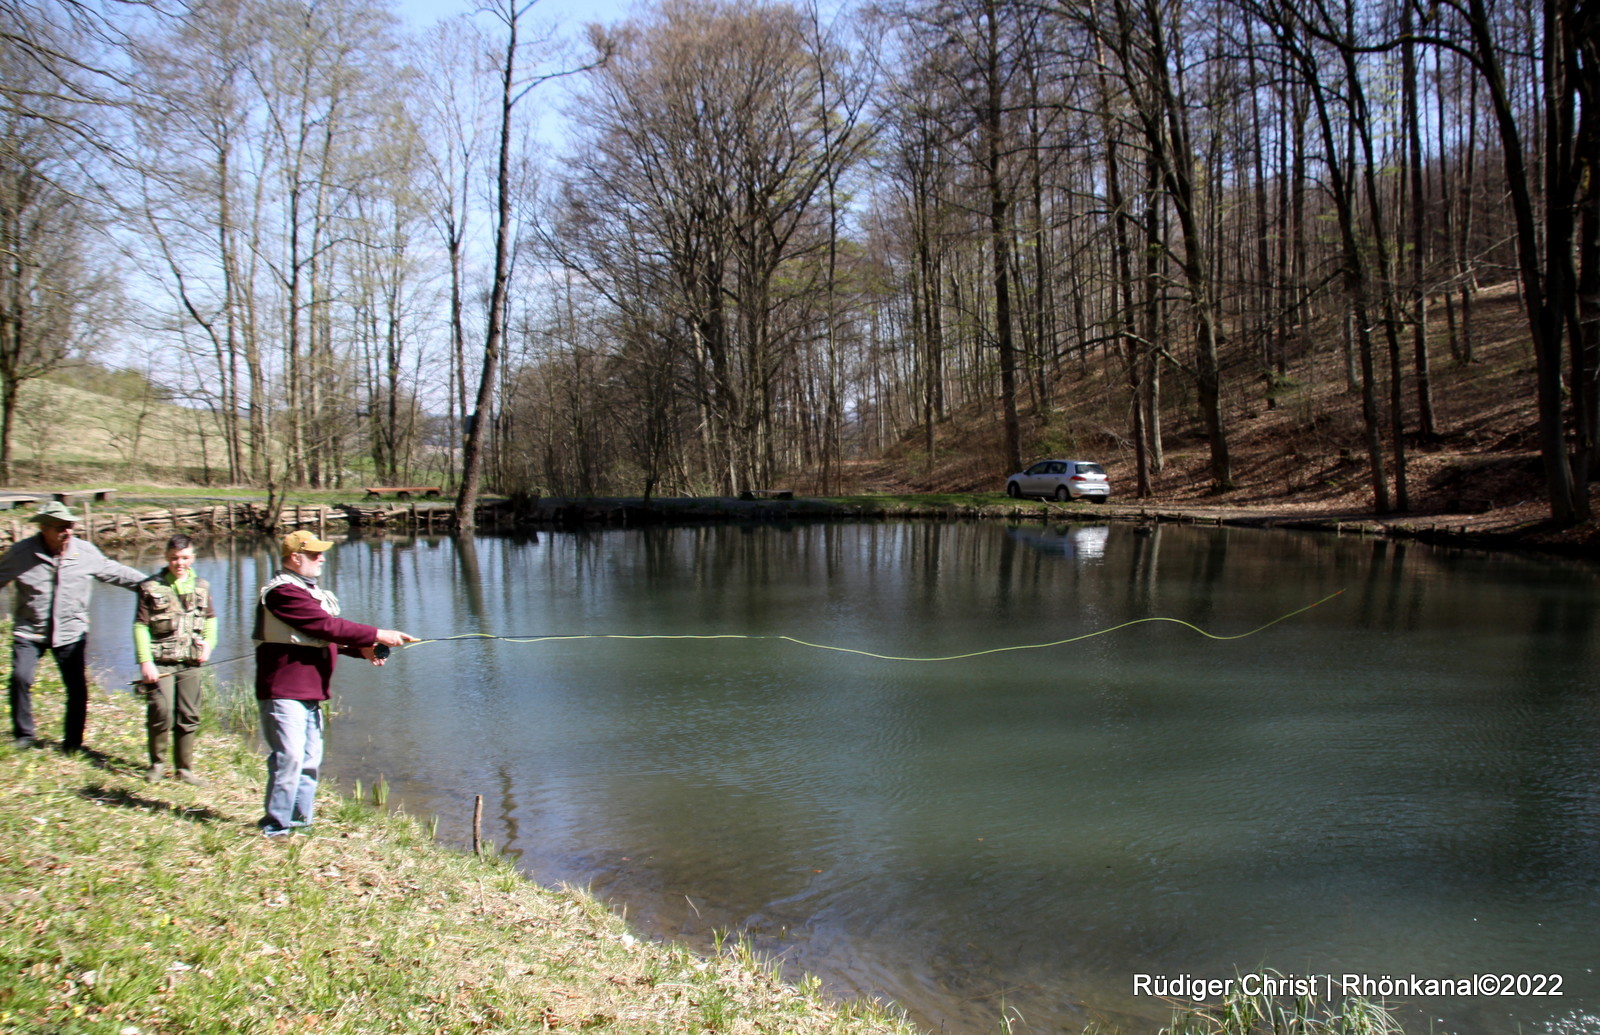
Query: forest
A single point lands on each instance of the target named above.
(767, 240)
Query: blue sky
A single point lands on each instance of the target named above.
(571, 13)
(567, 17)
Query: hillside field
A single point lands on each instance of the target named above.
(62, 431)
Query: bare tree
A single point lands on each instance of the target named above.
(1143, 38)
(1547, 148)
(699, 207)
(515, 85)
(457, 95)
(198, 199)
(55, 293)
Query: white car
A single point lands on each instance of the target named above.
(1061, 480)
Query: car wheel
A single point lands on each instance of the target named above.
(1062, 495)
(1013, 491)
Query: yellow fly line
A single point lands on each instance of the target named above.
(867, 653)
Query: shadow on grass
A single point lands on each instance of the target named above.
(126, 799)
(97, 758)
(116, 765)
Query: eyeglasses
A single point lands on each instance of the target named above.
(310, 556)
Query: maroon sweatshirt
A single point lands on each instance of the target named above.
(287, 671)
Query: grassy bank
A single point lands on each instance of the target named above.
(145, 908)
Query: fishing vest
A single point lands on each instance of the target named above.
(270, 628)
(177, 621)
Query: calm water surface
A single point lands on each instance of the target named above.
(1402, 781)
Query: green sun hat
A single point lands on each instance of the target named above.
(54, 511)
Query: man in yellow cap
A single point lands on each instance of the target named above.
(55, 572)
(299, 636)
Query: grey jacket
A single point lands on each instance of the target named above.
(53, 592)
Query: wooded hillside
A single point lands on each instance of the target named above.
(774, 244)
(1296, 444)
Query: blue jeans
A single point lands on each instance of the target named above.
(293, 732)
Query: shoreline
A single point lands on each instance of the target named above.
(1520, 528)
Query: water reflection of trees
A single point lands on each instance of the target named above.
(1430, 731)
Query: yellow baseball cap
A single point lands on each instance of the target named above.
(300, 540)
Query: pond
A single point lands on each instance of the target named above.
(1403, 781)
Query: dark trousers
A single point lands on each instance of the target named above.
(25, 655)
(174, 705)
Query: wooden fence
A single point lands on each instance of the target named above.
(218, 519)
(231, 518)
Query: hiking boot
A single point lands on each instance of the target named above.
(183, 753)
(188, 777)
(155, 772)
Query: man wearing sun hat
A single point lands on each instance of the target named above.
(54, 572)
(299, 636)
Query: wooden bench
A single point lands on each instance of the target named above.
(404, 492)
(11, 499)
(767, 494)
(97, 495)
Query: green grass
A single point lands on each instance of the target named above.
(891, 502)
(1242, 1014)
(917, 499)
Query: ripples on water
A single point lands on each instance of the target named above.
(1401, 781)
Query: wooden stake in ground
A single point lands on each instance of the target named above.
(477, 824)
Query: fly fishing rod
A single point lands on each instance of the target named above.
(383, 652)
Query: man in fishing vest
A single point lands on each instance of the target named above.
(174, 632)
(54, 573)
(299, 636)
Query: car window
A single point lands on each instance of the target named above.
(1090, 469)
(1058, 468)
(1037, 469)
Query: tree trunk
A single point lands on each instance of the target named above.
(478, 420)
(1000, 239)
